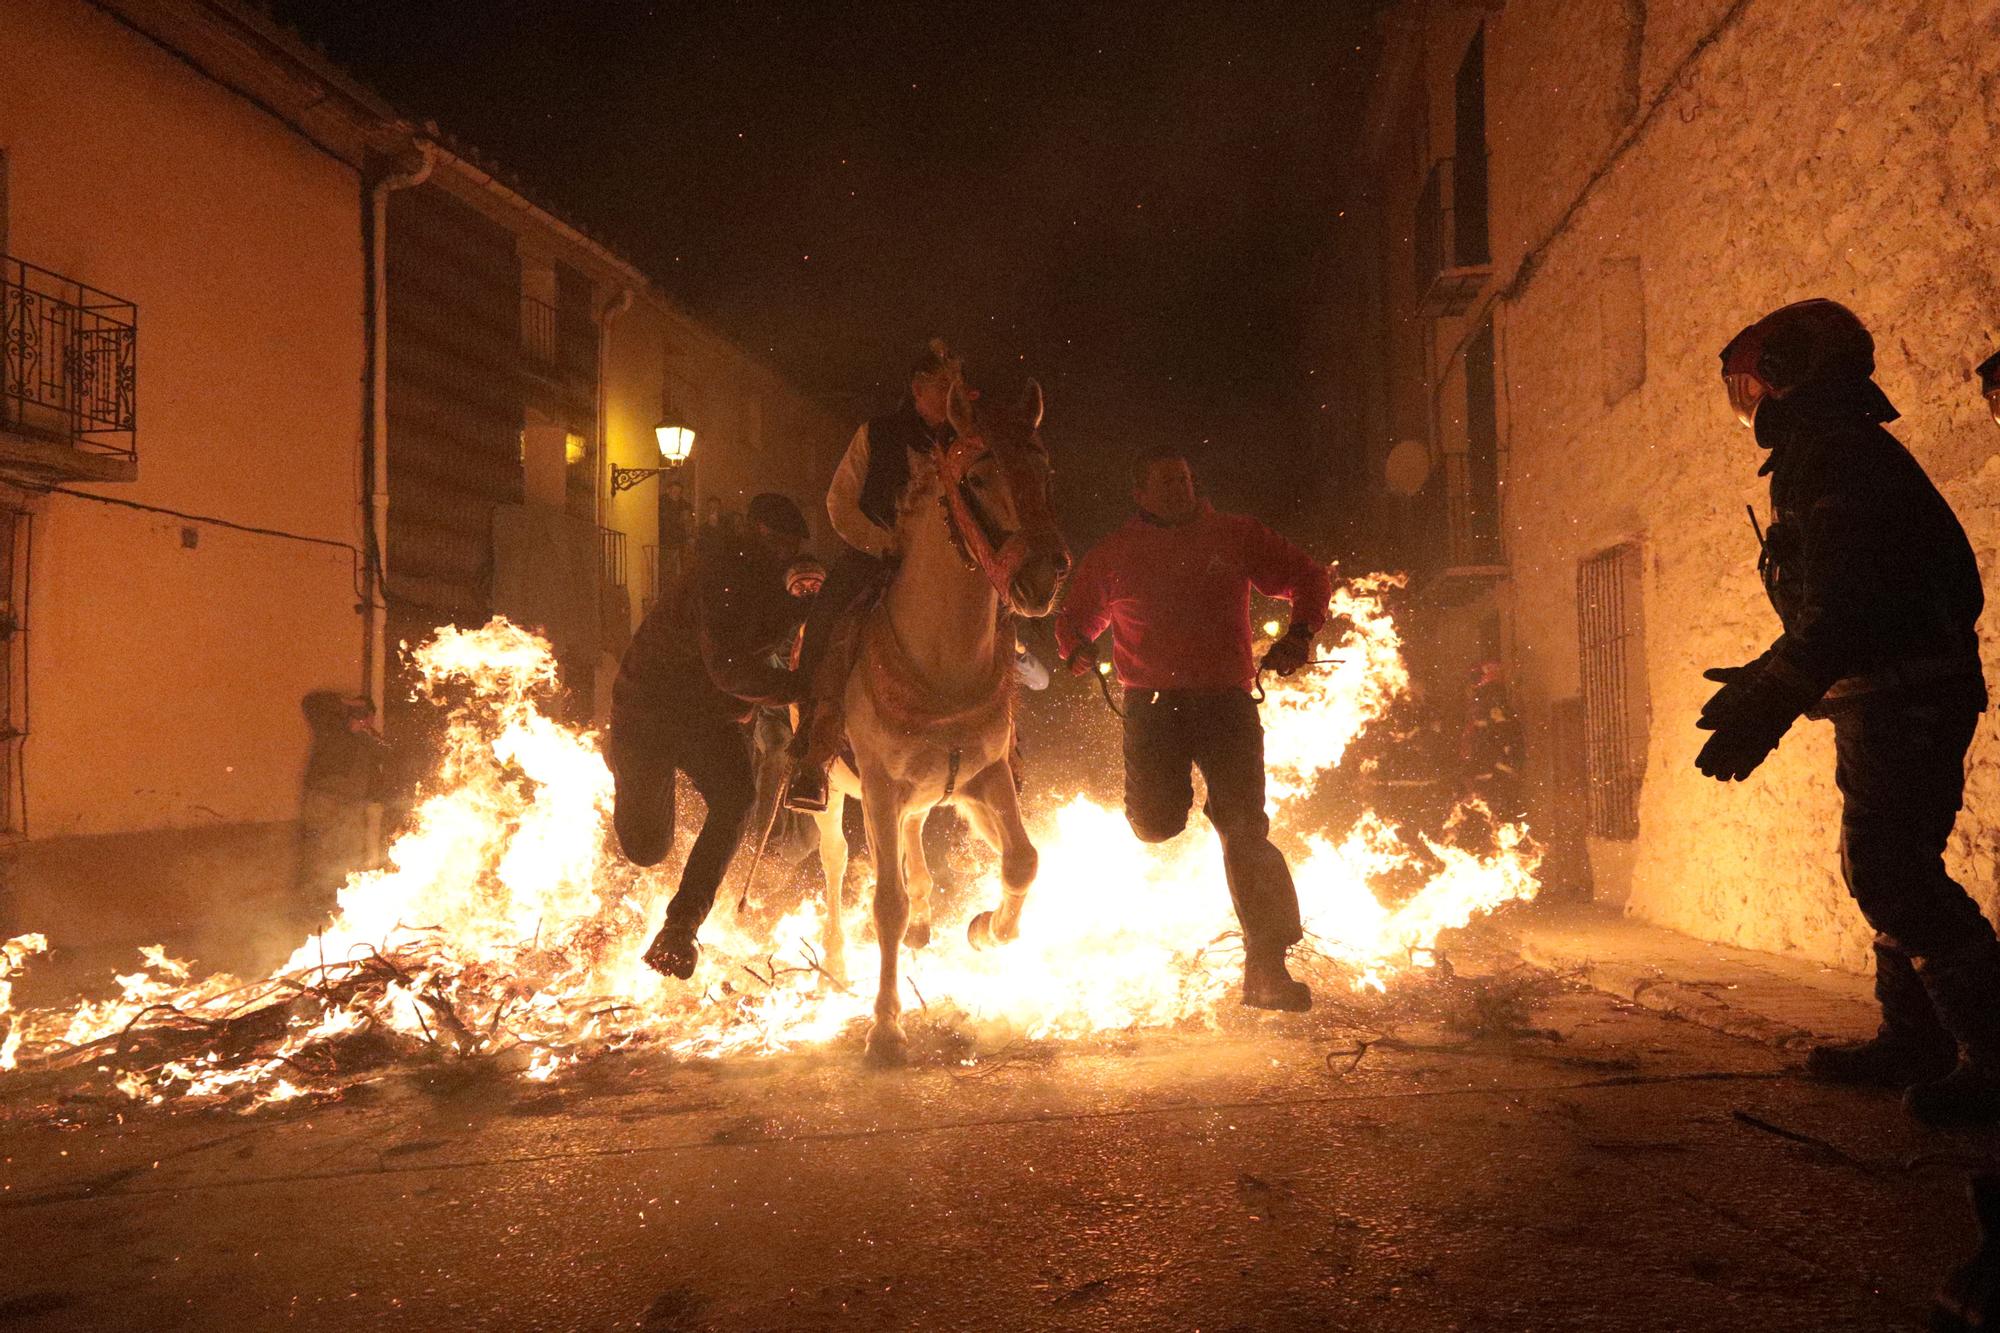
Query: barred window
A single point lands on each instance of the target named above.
(1611, 645)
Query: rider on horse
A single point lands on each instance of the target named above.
(881, 459)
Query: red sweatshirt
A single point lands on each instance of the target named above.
(1178, 599)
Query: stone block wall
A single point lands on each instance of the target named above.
(1773, 150)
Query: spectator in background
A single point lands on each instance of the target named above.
(343, 775)
(676, 531)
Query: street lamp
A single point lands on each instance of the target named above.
(676, 440)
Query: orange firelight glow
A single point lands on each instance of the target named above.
(506, 925)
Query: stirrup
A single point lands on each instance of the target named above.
(806, 791)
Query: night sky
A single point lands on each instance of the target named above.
(1139, 203)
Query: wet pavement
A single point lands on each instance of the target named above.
(1605, 1168)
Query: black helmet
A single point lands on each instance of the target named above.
(779, 514)
(1815, 345)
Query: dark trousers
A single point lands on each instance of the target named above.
(854, 576)
(1901, 773)
(1168, 735)
(713, 749)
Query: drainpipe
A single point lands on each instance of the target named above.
(375, 453)
(618, 306)
(375, 442)
(611, 312)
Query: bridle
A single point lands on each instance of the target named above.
(996, 555)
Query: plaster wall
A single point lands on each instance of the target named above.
(168, 658)
(1804, 148)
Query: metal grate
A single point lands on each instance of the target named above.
(1612, 660)
(538, 330)
(614, 556)
(68, 361)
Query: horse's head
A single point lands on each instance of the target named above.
(995, 481)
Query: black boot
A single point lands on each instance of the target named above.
(1910, 1047)
(673, 952)
(806, 792)
(1965, 989)
(1267, 984)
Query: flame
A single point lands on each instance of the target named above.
(506, 925)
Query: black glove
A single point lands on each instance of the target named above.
(1289, 653)
(1083, 661)
(1749, 715)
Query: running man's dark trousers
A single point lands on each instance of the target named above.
(1169, 734)
(714, 751)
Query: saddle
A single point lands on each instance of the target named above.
(826, 737)
(900, 697)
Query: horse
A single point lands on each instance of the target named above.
(929, 700)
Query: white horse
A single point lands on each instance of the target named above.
(929, 702)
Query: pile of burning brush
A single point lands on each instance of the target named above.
(505, 929)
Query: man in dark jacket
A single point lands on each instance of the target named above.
(867, 488)
(1173, 585)
(699, 666)
(1878, 592)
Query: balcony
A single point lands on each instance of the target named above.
(68, 378)
(614, 556)
(538, 334)
(1453, 261)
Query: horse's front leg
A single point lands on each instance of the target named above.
(916, 877)
(833, 864)
(881, 807)
(995, 811)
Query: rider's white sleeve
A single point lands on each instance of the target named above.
(843, 501)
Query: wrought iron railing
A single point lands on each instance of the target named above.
(68, 361)
(614, 556)
(1450, 243)
(538, 330)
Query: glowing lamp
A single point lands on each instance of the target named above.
(676, 439)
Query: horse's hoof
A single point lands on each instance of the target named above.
(979, 932)
(917, 934)
(888, 1048)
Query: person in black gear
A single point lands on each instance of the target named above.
(1989, 385)
(861, 503)
(699, 666)
(1879, 593)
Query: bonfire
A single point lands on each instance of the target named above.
(504, 926)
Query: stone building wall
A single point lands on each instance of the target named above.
(1769, 150)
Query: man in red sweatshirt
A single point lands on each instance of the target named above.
(1173, 585)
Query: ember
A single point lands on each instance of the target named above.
(507, 927)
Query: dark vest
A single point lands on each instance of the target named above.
(890, 440)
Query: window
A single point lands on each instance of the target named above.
(1611, 648)
(1468, 160)
(1475, 490)
(538, 312)
(580, 475)
(13, 668)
